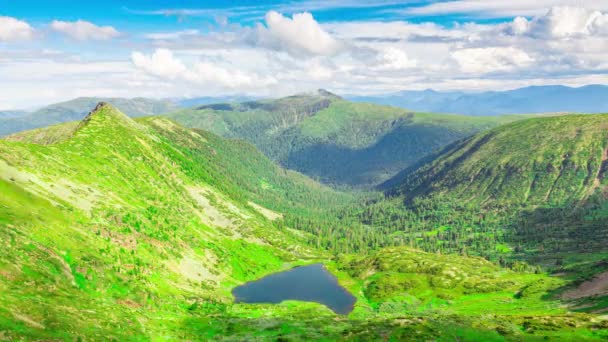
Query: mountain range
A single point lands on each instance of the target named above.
(534, 99)
(466, 228)
(333, 140)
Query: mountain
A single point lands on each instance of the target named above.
(11, 114)
(419, 100)
(333, 140)
(534, 99)
(555, 160)
(124, 229)
(117, 217)
(76, 110)
(533, 190)
(205, 100)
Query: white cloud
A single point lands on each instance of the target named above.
(395, 59)
(401, 30)
(172, 35)
(284, 55)
(492, 59)
(299, 35)
(563, 22)
(12, 29)
(561, 41)
(162, 63)
(502, 8)
(84, 30)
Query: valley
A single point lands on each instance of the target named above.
(142, 229)
(334, 141)
(303, 170)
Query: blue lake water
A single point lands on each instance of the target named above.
(311, 283)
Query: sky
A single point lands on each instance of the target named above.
(53, 51)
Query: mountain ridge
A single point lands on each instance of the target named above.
(527, 100)
(559, 147)
(76, 109)
(338, 142)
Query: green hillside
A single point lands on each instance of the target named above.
(112, 220)
(533, 190)
(75, 110)
(122, 229)
(554, 161)
(333, 140)
(543, 180)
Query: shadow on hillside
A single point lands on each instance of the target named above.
(558, 231)
(398, 149)
(570, 243)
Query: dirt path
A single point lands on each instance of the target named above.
(593, 287)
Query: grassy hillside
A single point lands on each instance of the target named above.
(138, 230)
(110, 222)
(554, 161)
(76, 109)
(532, 190)
(333, 140)
(544, 178)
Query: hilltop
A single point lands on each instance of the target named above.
(76, 109)
(332, 140)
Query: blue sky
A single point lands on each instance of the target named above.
(137, 15)
(56, 50)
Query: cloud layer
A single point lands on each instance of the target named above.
(282, 54)
(84, 30)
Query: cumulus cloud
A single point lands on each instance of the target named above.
(300, 34)
(283, 55)
(562, 22)
(562, 41)
(84, 30)
(162, 63)
(12, 29)
(393, 58)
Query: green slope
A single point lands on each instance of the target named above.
(533, 190)
(554, 161)
(138, 230)
(333, 140)
(109, 222)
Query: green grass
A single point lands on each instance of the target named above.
(138, 230)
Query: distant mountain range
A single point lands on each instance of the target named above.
(73, 110)
(536, 99)
(205, 100)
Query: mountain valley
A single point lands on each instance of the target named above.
(137, 229)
